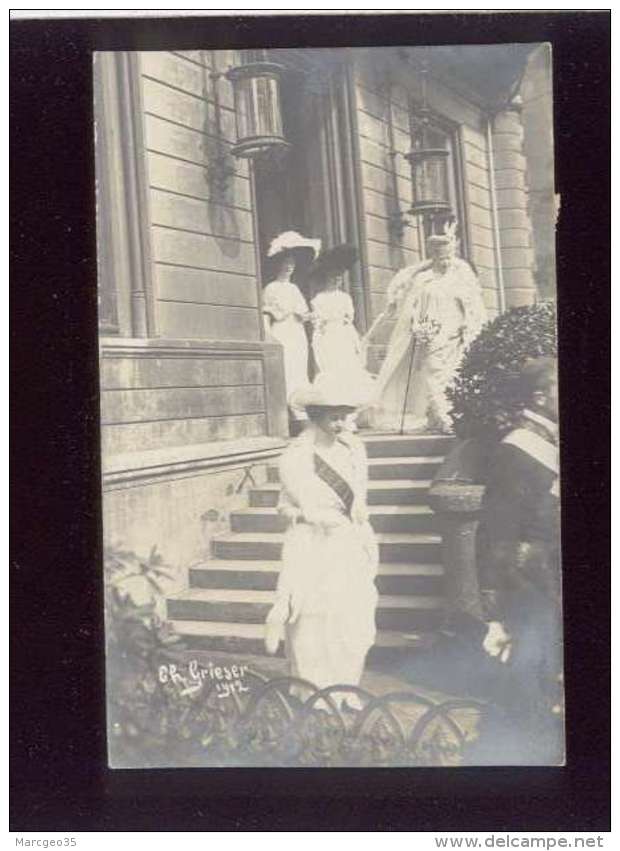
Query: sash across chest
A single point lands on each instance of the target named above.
(335, 481)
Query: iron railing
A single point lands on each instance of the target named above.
(289, 722)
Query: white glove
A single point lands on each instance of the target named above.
(328, 518)
(285, 610)
(274, 626)
(274, 634)
(497, 642)
(359, 513)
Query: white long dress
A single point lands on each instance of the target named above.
(328, 570)
(283, 301)
(439, 316)
(335, 341)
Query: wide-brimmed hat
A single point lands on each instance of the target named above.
(292, 242)
(335, 390)
(333, 261)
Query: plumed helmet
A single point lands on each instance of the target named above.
(447, 239)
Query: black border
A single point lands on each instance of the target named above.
(59, 778)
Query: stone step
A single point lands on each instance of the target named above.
(380, 492)
(395, 612)
(396, 467)
(410, 548)
(248, 638)
(229, 596)
(390, 445)
(392, 578)
(390, 518)
(242, 638)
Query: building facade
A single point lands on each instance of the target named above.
(193, 404)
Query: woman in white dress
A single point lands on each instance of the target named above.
(440, 312)
(286, 310)
(336, 344)
(326, 595)
(335, 341)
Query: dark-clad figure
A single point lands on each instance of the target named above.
(521, 567)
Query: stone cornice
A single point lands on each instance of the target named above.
(154, 465)
(154, 347)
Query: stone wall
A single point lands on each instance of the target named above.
(177, 510)
(204, 260)
(191, 395)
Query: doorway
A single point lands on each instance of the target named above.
(306, 188)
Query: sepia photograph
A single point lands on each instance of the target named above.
(329, 406)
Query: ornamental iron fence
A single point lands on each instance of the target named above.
(287, 721)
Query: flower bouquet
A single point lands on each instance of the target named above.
(425, 330)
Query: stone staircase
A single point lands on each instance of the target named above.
(228, 598)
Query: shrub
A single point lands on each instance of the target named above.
(142, 716)
(485, 395)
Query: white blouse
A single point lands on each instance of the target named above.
(282, 299)
(333, 306)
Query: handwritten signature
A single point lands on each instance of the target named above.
(228, 680)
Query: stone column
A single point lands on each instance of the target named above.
(458, 508)
(515, 226)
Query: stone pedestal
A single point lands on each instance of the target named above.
(457, 506)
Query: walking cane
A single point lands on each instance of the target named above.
(402, 421)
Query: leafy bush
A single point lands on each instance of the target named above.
(142, 714)
(133, 592)
(485, 396)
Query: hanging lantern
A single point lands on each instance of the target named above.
(429, 164)
(256, 86)
(429, 175)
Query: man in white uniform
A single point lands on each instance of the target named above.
(440, 311)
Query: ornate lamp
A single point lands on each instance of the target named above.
(256, 86)
(430, 180)
(429, 168)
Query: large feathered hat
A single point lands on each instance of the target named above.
(334, 261)
(291, 242)
(336, 390)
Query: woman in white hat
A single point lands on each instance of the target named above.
(326, 595)
(285, 309)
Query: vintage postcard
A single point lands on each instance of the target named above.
(329, 409)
